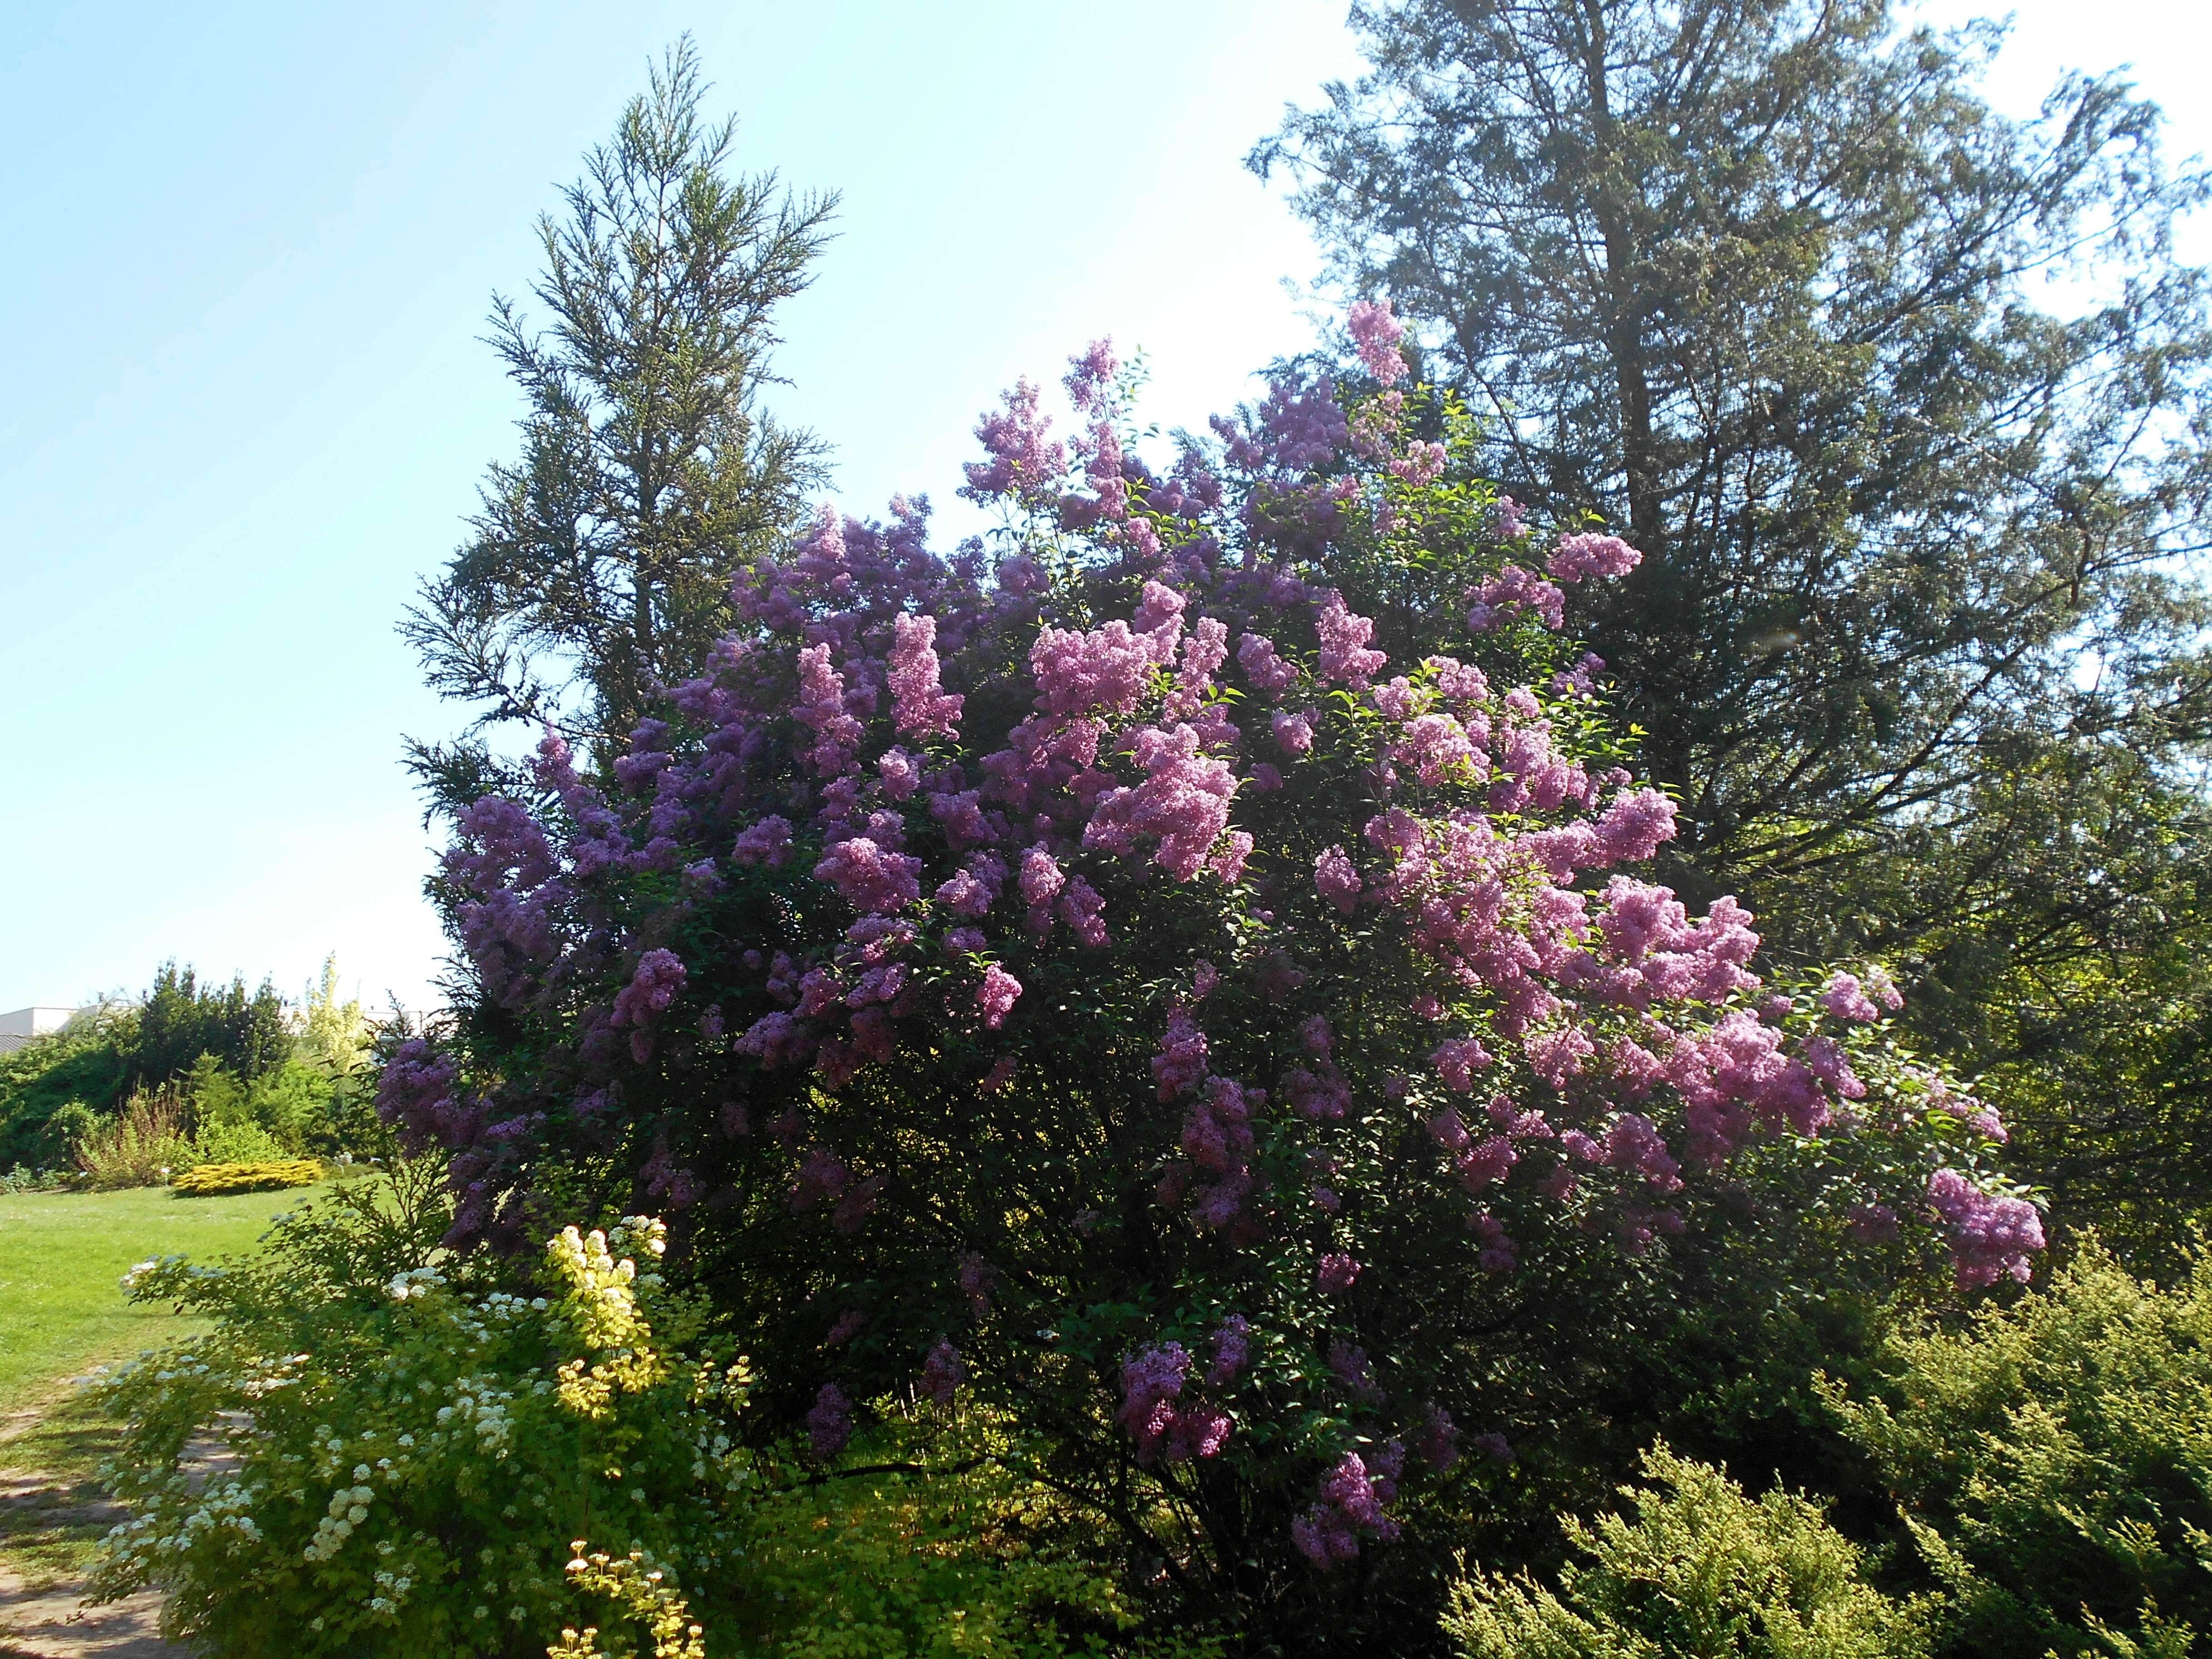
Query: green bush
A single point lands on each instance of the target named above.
(944, 1550)
(233, 1143)
(462, 1457)
(1702, 1570)
(212, 1179)
(2054, 1459)
(142, 1145)
(73, 1122)
(86, 1062)
(427, 1462)
(24, 1179)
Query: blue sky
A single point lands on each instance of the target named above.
(251, 248)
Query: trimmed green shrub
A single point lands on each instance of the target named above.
(211, 1180)
(2054, 1461)
(1701, 1570)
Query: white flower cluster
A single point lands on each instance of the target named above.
(349, 1508)
(393, 1587)
(463, 1395)
(488, 1409)
(150, 1278)
(414, 1282)
(177, 1523)
(501, 1305)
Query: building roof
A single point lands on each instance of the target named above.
(18, 1028)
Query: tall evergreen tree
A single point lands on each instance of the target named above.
(181, 1017)
(1906, 403)
(1752, 280)
(601, 563)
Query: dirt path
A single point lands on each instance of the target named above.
(52, 1624)
(51, 1512)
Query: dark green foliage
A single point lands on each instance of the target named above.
(1701, 1570)
(2071, 925)
(2054, 1459)
(57, 1139)
(599, 567)
(1751, 279)
(87, 1062)
(179, 1019)
(1761, 282)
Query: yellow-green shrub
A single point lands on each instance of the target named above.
(211, 1179)
(945, 1551)
(2054, 1459)
(1700, 1570)
(427, 1462)
(462, 1455)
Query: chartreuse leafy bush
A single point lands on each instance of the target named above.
(952, 1550)
(1179, 965)
(1698, 1570)
(2054, 1461)
(457, 1457)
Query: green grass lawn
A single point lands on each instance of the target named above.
(62, 1312)
(62, 1257)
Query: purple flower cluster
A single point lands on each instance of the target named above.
(921, 707)
(1847, 997)
(1232, 1350)
(995, 997)
(1154, 1414)
(1591, 555)
(941, 1373)
(1376, 332)
(1349, 1508)
(829, 1423)
(1992, 1235)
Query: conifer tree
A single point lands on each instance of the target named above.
(600, 565)
(1905, 403)
(1761, 283)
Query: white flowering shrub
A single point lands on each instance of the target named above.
(416, 1458)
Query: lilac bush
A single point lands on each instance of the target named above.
(1177, 966)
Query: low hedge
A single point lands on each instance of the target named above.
(209, 1180)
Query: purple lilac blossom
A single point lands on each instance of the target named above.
(1376, 332)
(941, 1372)
(1591, 555)
(1232, 1350)
(829, 1424)
(1351, 1498)
(1344, 659)
(1992, 1235)
(920, 706)
(1336, 880)
(868, 877)
(995, 997)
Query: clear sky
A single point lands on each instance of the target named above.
(249, 252)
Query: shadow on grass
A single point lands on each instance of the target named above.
(53, 1509)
